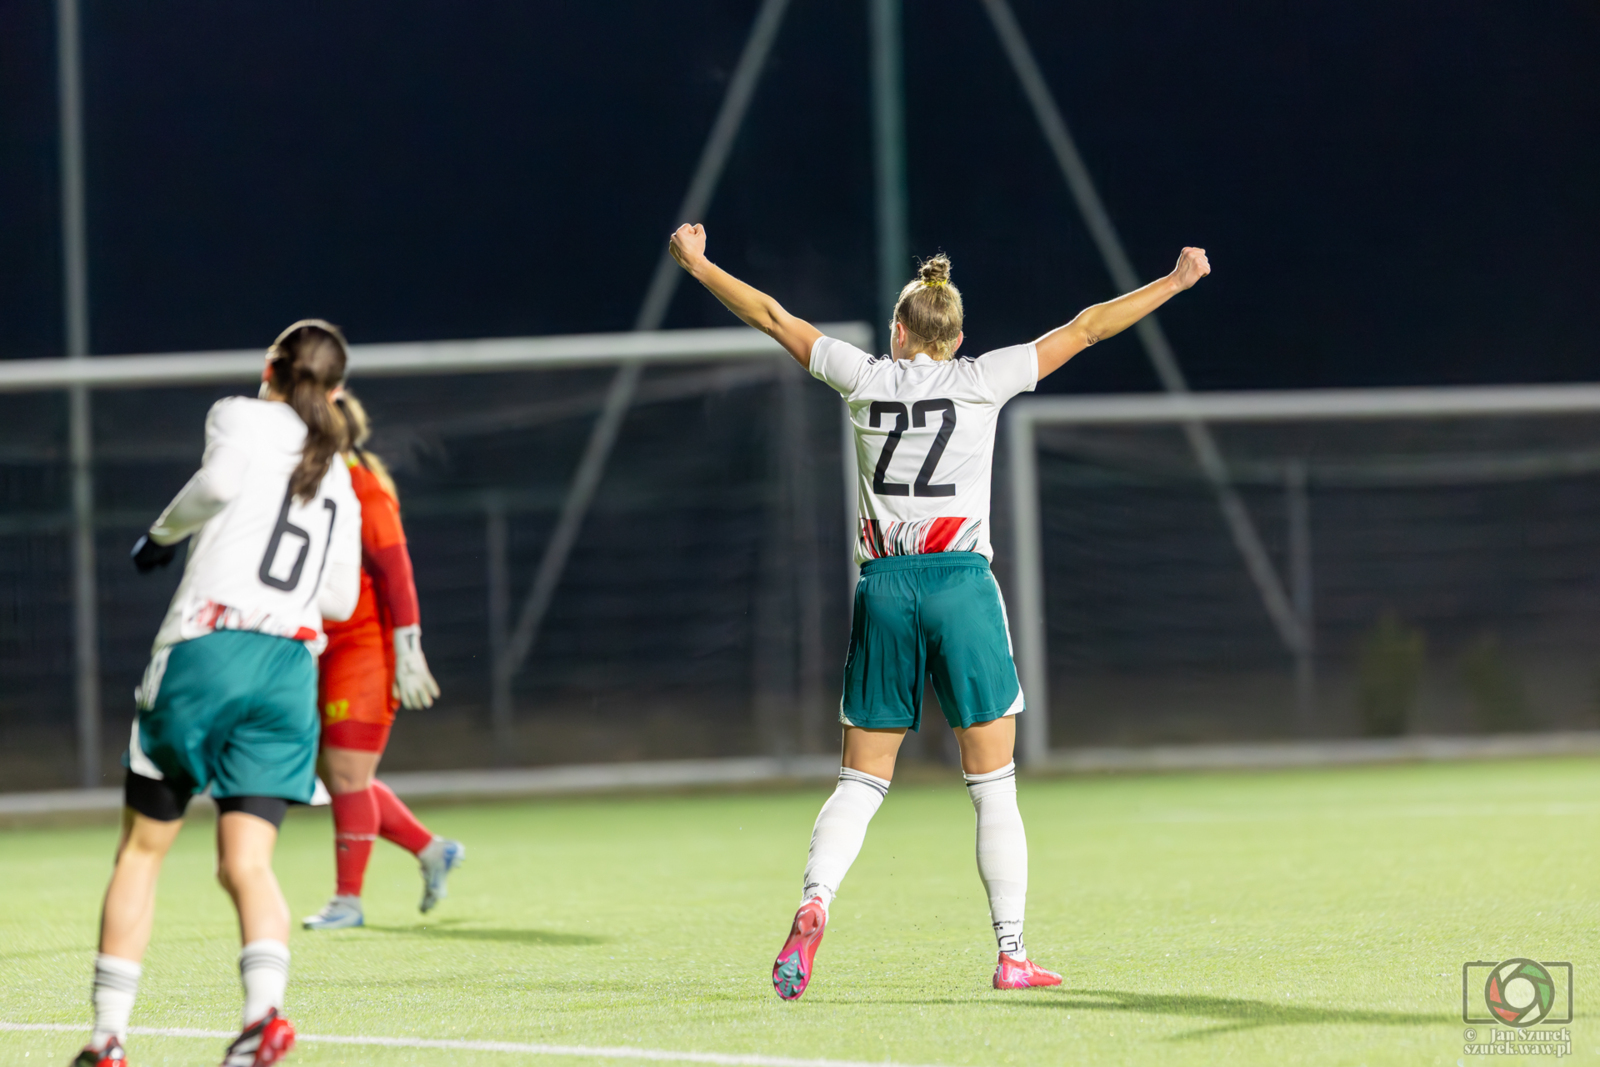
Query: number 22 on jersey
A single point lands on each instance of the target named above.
(919, 413)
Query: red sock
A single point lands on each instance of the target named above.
(355, 827)
(396, 823)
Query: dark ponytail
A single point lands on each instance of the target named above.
(307, 361)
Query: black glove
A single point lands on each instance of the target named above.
(147, 555)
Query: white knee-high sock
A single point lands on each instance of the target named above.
(264, 972)
(840, 829)
(1002, 854)
(116, 983)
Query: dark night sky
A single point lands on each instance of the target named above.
(1390, 192)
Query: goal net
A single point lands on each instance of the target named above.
(1280, 565)
(698, 612)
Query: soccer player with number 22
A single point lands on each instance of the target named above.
(229, 700)
(926, 604)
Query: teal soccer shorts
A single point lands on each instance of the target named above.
(233, 710)
(937, 615)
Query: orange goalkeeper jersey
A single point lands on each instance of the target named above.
(388, 590)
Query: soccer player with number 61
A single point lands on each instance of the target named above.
(228, 701)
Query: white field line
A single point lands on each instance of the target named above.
(1420, 811)
(610, 1052)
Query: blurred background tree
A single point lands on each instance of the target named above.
(1494, 686)
(1392, 658)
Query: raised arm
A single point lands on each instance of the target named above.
(746, 301)
(1105, 320)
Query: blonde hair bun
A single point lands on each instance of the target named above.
(930, 309)
(935, 271)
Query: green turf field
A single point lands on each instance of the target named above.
(1317, 917)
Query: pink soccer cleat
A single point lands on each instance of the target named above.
(1022, 974)
(791, 971)
(263, 1042)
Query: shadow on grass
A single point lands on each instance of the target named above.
(1234, 1013)
(504, 936)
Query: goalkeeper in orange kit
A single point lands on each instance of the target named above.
(373, 666)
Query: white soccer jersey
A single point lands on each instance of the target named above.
(261, 559)
(924, 432)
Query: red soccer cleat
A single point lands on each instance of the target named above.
(110, 1056)
(1022, 974)
(263, 1042)
(791, 971)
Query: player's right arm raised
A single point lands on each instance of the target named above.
(746, 301)
(1096, 323)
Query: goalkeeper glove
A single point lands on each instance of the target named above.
(414, 686)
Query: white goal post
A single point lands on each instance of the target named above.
(1026, 415)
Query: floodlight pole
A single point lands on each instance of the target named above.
(592, 465)
(80, 433)
(889, 155)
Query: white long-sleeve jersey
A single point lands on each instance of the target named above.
(261, 560)
(924, 434)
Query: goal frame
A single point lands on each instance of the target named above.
(1193, 410)
(482, 356)
(81, 376)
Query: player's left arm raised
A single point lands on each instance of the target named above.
(756, 308)
(1096, 323)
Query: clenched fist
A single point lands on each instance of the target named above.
(688, 245)
(1192, 266)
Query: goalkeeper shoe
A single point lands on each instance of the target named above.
(440, 858)
(340, 913)
(110, 1056)
(264, 1042)
(1022, 974)
(791, 971)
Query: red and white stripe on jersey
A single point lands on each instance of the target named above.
(949, 533)
(208, 616)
